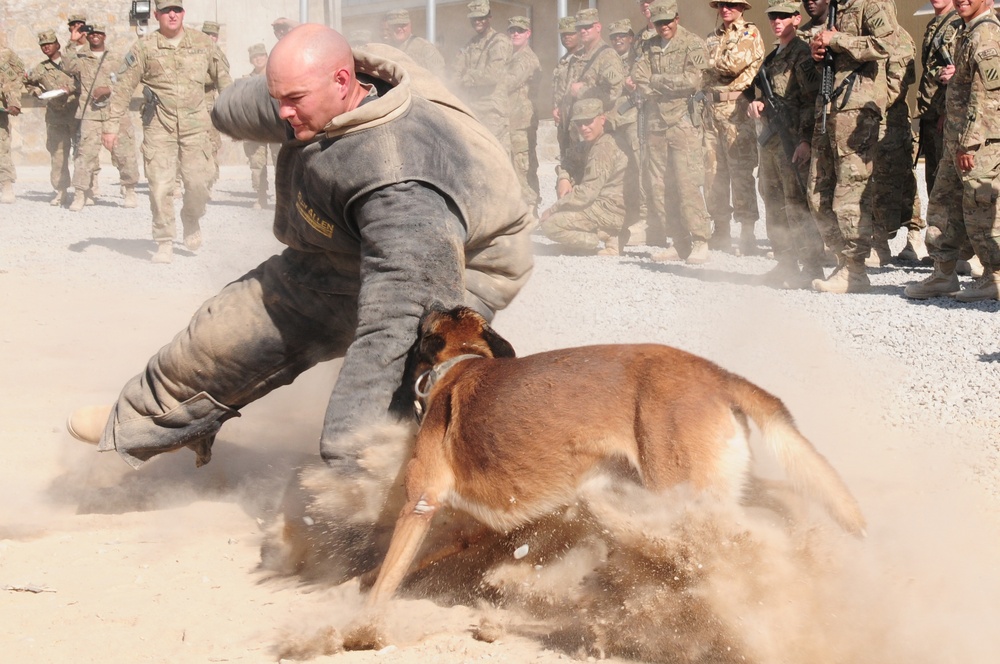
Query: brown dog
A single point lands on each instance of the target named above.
(510, 439)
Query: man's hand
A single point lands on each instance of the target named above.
(965, 161)
(803, 153)
(563, 187)
(109, 141)
(820, 43)
(14, 110)
(755, 109)
(100, 93)
(629, 83)
(555, 114)
(945, 75)
(575, 88)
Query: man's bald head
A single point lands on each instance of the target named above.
(311, 74)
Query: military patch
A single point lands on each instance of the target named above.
(698, 60)
(990, 71)
(878, 22)
(986, 54)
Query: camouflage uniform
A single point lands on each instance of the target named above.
(178, 135)
(424, 54)
(11, 89)
(668, 75)
(624, 120)
(734, 56)
(522, 86)
(482, 68)
(965, 204)
(211, 94)
(935, 54)
(562, 102)
(60, 115)
(257, 158)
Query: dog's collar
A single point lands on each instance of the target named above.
(427, 380)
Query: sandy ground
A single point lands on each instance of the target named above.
(102, 563)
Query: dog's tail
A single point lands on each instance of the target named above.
(808, 470)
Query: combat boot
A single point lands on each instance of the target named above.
(79, 200)
(851, 278)
(783, 275)
(809, 273)
(748, 240)
(57, 200)
(87, 423)
(987, 287)
(89, 197)
(915, 249)
(130, 199)
(164, 252)
(261, 202)
(721, 239)
(699, 253)
(7, 193)
(637, 235)
(880, 255)
(943, 281)
(192, 240)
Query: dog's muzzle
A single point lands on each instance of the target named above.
(427, 380)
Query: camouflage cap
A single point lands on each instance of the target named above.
(567, 24)
(782, 7)
(522, 22)
(586, 17)
(47, 37)
(479, 8)
(98, 27)
(76, 18)
(163, 4)
(210, 28)
(586, 110)
(663, 10)
(622, 27)
(715, 3)
(397, 17)
(257, 49)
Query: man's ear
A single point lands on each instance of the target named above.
(342, 78)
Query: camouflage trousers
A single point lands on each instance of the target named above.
(216, 139)
(7, 171)
(257, 156)
(87, 162)
(840, 191)
(524, 156)
(578, 228)
(59, 140)
(627, 137)
(895, 203)
(964, 207)
(673, 179)
(730, 157)
(790, 225)
(165, 155)
(931, 146)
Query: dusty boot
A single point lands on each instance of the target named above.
(87, 423)
(915, 249)
(699, 253)
(57, 200)
(852, 278)
(722, 239)
(880, 255)
(668, 255)
(637, 235)
(610, 245)
(783, 275)
(7, 193)
(89, 197)
(164, 252)
(986, 287)
(808, 274)
(943, 281)
(748, 240)
(192, 240)
(129, 193)
(79, 200)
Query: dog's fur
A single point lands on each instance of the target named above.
(511, 439)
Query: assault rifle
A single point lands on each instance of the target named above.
(829, 75)
(776, 112)
(942, 50)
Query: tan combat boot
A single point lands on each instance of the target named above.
(79, 200)
(89, 197)
(7, 193)
(193, 240)
(699, 253)
(57, 200)
(610, 246)
(668, 255)
(915, 249)
(880, 255)
(164, 252)
(748, 240)
(943, 281)
(87, 423)
(130, 199)
(852, 278)
(986, 287)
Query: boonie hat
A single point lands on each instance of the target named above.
(663, 10)
(210, 28)
(479, 9)
(47, 37)
(567, 24)
(586, 110)
(522, 22)
(622, 27)
(782, 7)
(257, 49)
(586, 17)
(163, 4)
(397, 17)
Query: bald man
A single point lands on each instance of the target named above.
(391, 197)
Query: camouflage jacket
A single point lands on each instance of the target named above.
(900, 74)
(603, 183)
(51, 76)
(211, 88)
(91, 73)
(600, 71)
(176, 74)
(734, 56)
(482, 64)
(864, 38)
(625, 111)
(560, 80)
(11, 78)
(424, 54)
(939, 42)
(667, 74)
(795, 82)
(522, 86)
(973, 94)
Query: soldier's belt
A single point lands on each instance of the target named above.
(719, 97)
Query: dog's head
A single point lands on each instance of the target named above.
(447, 333)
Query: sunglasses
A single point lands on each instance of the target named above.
(779, 16)
(172, 10)
(731, 5)
(515, 31)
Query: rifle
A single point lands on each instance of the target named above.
(829, 75)
(777, 113)
(938, 45)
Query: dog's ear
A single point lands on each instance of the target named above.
(499, 346)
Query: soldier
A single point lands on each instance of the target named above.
(669, 76)
(282, 26)
(78, 30)
(816, 10)
(964, 200)
(212, 29)
(735, 52)
(401, 36)
(593, 210)
(787, 126)
(60, 113)
(522, 86)
(94, 70)
(622, 39)
(257, 152)
(561, 101)
(176, 65)
(844, 150)
(482, 69)
(11, 89)
(937, 67)
(624, 120)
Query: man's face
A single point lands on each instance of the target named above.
(816, 8)
(589, 34)
(519, 37)
(570, 40)
(591, 130)
(171, 20)
(50, 50)
(941, 6)
(400, 33)
(308, 99)
(730, 12)
(480, 24)
(213, 37)
(970, 9)
(784, 25)
(667, 29)
(259, 61)
(622, 42)
(96, 40)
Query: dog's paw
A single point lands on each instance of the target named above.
(366, 634)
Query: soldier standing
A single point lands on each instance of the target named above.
(176, 65)
(212, 29)
(735, 52)
(77, 24)
(624, 121)
(482, 69)
(844, 150)
(787, 127)
(60, 113)
(522, 86)
(257, 152)
(561, 101)
(964, 200)
(594, 209)
(94, 70)
(669, 74)
(401, 36)
(11, 89)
